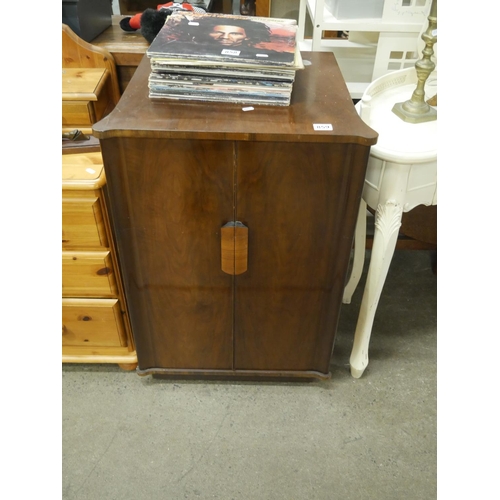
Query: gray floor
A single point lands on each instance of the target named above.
(130, 437)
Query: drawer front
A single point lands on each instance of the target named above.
(92, 322)
(88, 274)
(82, 223)
(77, 113)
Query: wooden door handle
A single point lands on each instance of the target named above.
(234, 248)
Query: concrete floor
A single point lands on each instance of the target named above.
(130, 437)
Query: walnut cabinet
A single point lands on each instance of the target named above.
(235, 227)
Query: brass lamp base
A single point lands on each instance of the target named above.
(414, 117)
(416, 110)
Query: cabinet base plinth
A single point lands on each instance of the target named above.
(242, 375)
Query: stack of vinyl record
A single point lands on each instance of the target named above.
(224, 58)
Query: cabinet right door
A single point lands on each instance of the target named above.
(297, 201)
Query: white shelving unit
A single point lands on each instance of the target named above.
(375, 46)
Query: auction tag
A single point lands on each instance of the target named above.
(322, 126)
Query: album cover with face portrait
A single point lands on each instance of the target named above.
(224, 38)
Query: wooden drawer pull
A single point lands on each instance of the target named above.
(234, 248)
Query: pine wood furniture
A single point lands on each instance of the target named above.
(77, 53)
(96, 328)
(235, 227)
(86, 97)
(401, 175)
(89, 83)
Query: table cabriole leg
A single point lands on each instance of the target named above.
(359, 254)
(387, 223)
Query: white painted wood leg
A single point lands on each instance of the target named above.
(387, 223)
(359, 254)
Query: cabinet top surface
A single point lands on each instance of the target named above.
(319, 97)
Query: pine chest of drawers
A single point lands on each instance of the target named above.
(94, 313)
(86, 97)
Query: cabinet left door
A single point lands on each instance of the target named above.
(170, 199)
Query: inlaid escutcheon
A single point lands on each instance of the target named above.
(234, 248)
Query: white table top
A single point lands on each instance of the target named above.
(399, 140)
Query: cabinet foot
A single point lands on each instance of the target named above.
(128, 366)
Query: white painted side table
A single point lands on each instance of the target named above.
(401, 174)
